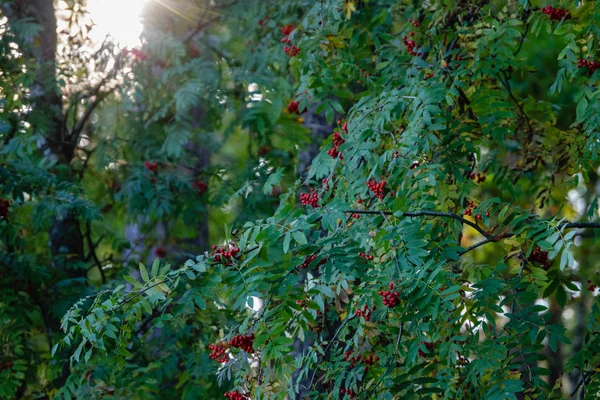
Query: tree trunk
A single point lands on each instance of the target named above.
(66, 240)
(320, 129)
(200, 243)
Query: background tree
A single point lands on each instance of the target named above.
(102, 168)
(441, 244)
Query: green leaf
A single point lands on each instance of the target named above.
(155, 266)
(273, 180)
(144, 273)
(581, 109)
(299, 237)
(286, 242)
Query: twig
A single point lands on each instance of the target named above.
(506, 85)
(88, 235)
(523, 35)
(327, 348)
(428, 214)
(584, 377)
(574, 225)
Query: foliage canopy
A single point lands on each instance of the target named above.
(431, 249)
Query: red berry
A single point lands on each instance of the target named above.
(293, 107)
(287, 29)
(200, 186)
(160, 252)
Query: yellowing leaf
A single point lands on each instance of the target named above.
(349, 8)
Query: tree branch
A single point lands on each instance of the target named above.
(476, 245)
(574, 225)
(508, 88)
(488, 237)
(88, 235)
(415, 214)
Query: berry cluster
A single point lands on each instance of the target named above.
(390, 299)
(410, 45)
(4, 204)
(309, 259)
(365, 75)
(225, 255)
(325, 183)
(366, 312)
(355, 215)
(218, 352)
(311, 198)
(366, 256)
(591, 287)
(469, 211)
(243, 342)
(291, 51)
(286, 30)
(370, 360)
(470, 208)
(326, 310)
(428, 346)
(301, 303)
(540, 257)
(235, 395)
(591, 65)
(348, 392)
(263, 150)
(345, 127)
(353, 360)
(152, 167)
(200, 186)
(377, 187)
(160, 252)
(477, 177)
(556, 14)
(138, 55)
(414, 22)
(293, 107)
(337, 142)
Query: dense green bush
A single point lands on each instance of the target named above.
(442, 244)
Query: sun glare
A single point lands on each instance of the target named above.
(119, 19)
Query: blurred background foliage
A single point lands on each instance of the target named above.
(113, 156)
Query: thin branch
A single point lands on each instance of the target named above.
(429, 214)
(88, 235)
(486, 234)
(523, 35)
(327, 347)
(508, 88)
(88, 113)
(476, 245)
(584, 377)
(199, 28)
(574, 225)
